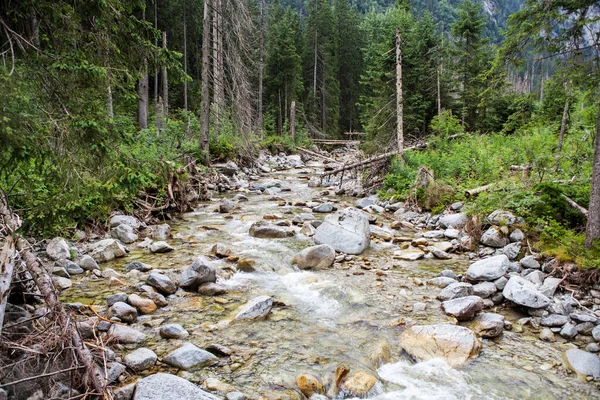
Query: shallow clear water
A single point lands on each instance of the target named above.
(350, 315)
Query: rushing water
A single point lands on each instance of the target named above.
(350, 315)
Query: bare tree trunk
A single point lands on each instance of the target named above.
(165, 82)
(261, 68)
(109, 104)
(142, 92)
(399, 98)
(316, 47)
(563, 127)
(218, 73)
(155, 54)
(205, 112)
(185, 62)
(439, 92)
(293, 121)
(592, 229)
(279, 117)
(159, 116)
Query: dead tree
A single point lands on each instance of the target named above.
(165, 82)
(399, 98)
(142, 92)
(205, 111)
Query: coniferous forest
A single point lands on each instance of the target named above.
(426, 110)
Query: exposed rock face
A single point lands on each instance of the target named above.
(347, 231)
(488, 269)
(201, 271)
(309, 385)
(169, 387)
(106, 250)
(463, 308)
(257, 308)
(189, 356)
(265, 230)
(523, 292)
(315, 257)
(124, 233)
(140, 359)
(582, 362)
(161, 282)
(455, 344)
(488, 325)
(58, 249)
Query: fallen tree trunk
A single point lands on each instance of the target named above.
(576, 206)
(9, 223)
(477, 190)
(314, 154)
(7, 265)
(333, 141)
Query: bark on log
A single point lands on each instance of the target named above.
(477, 190)
(576, 206)
(7, 266)
(312, 153)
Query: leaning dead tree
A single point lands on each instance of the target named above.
(51, 348)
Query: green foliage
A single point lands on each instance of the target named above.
(446, 124)
(566, 245)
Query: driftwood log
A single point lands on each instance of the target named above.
(9, 223)
(576, 206)
(315, 154)
(477, 190)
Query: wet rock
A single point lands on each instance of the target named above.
(106, 250)
(512, 250)
(488, 325)
(169, 387)
(140, 359)
(124, 392)
(246, 265)
(220, 250)
(488, 269)
(124, 233)
(161, 282)
(568, 331)
(581, 317)
(60, 271)
(585, 328)
(484, 289)
(74, 269)
(123, 311)
(58, 249)
(596, 333)
(457, 221)
(114, 298)
(309, 385)
(503, 218)
(455, 291)
(409, 255)
(138, 266)
(240, 198)
(516, 236)
(455, 344)
(530, 262)
(189, 356)
(160, 247)
(554, 320)
(357, 384)
(88, 263)
(365, 202)
(145, 306)
(547, 335)
(61, 283)
(582, 362)
(493, 237)
(201, 271)
(257, 308)
(219, 350)
(161, 232)
(433, 234)
(265, 230)
(173, 331)
(323, 208)
(463, 308)
(226, 206)
(212, 289)
(315, 257)
(347, 231)
(524, 293)
(117, 220)
(302, 218)
(441, 281)
(308, 229)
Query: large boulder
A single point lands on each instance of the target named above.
(347, 231)
(582, 362)
(315, 257)
(265, 230)
(160, 247)
(463, 308)
(161, 232)
(124, 233)
(117, 220)
(357, 385)
(455, 344)
(257, 308)
(161, 282)
(58, 249)
(226, 206)
(169, 387)
(88, 263)
(189, 356)
(494, 237)
(503, 217)
(488, 325)
(125, 334)
(201, 271)
(309, 384)
(488, 269)
(456, 221)
(106, 250)
(523, 292)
